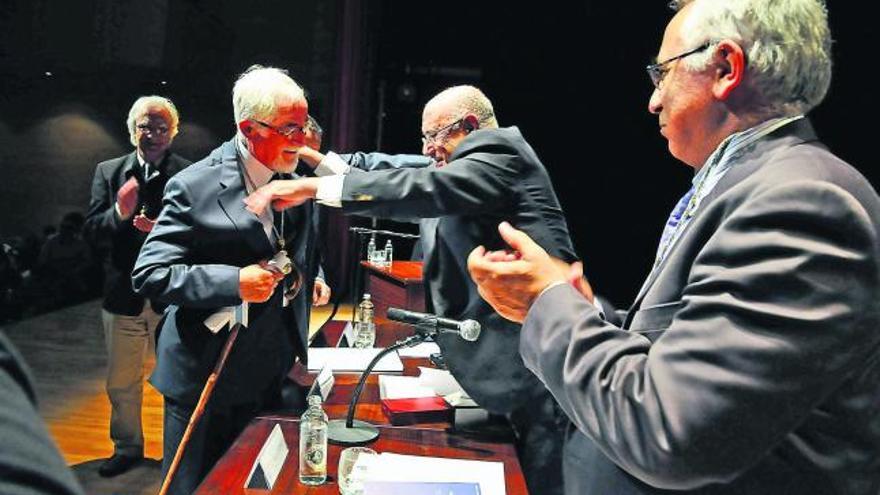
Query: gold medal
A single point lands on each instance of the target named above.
(281, 262)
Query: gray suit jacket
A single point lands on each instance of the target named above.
(30, 463)
(493, 175)
(750, 361)
(191, 261)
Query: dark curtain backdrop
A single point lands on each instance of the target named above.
(569, 74)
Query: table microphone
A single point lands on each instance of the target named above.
(468, 329)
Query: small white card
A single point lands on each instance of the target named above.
(269, 461)
(228, 315)
(348, 333)
(325, 381)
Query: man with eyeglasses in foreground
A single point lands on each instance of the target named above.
(207, 254)
(481, 174)
(750, 360)
(126, 198)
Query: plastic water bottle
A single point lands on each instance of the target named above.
(388, 253)
(313, 443)
(371, 249)
(365, 328)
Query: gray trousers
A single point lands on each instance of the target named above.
(128, 339)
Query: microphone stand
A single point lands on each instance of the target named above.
(355, 432)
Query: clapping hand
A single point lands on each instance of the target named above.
(127, 198)
(511, 280)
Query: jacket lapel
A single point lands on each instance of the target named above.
(756, 155)
(231, 200)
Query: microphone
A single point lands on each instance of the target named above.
(468, 329)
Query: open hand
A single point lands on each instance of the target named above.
(143, 223)
(511, 280)
(321, 293)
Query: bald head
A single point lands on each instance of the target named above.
(458, 101)
(450, 116)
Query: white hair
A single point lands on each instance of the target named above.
(787, 44)
(461, 100)
(142, 105)
(259, 91)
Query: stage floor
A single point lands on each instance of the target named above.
(65, 351)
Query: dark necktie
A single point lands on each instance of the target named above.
(281, 227)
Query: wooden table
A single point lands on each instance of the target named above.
(426, 439)
(399, 286)
(230, 473)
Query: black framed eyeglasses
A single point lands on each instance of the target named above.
(431, 136)
(659, 70)
(286, 131)
(160, 130)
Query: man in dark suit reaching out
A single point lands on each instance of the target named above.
(482, 174)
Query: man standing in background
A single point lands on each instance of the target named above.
(126, 198)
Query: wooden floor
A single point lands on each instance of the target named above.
(66, 353)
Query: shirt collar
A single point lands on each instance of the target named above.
(739, 141)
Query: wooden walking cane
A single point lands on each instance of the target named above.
(282, 265)
(199, 409)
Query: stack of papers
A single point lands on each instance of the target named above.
(423, 350)
(348, 359)
(403, 387)
(410, 468)
(430, 382)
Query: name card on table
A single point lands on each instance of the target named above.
(269, 461)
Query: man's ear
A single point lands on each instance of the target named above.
(470, 123)
(731, 68)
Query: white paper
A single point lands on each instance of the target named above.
(349, 359)
(325, 382)
(271, 457)
(397, 467)
(423, 350)
(230, 315)
(348, 333)
(402, 387)
(440, 381)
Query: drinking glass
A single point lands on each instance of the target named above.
(351, 470)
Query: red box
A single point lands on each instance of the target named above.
(418, 410)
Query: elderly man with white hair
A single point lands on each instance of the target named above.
(749, 362)
(126, 197)
(206, 252)
(473, 174)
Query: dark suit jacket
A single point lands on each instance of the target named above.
(493, 175)
(750, 361)
(29, 461)
(191, 261)
(103, 227)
